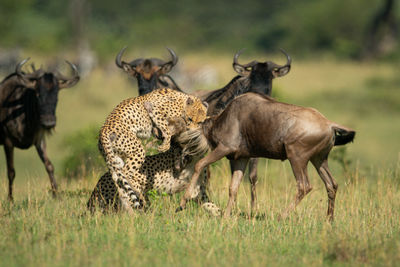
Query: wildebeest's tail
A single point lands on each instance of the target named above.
(343, 135)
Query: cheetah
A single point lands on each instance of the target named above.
(138, 118)
(157, 173)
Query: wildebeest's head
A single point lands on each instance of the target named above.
(46, 86)
(148, 71)
(261, 73)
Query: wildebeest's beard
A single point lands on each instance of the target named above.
(145, 85)
(47, 96)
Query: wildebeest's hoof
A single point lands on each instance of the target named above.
(178, 209)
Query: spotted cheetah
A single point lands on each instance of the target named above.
(135, 119)
(157, 173)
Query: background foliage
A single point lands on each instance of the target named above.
(304, 27)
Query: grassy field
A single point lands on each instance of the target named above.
(39, 230)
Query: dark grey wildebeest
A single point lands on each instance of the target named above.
(255, 125)
(27, 111)
(151, 73)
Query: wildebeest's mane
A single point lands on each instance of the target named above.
(217, 93)
(225, 95)
(163, 79)
(9, 77)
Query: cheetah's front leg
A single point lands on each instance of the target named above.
(161, 124)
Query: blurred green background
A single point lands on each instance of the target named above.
(344, 28)
(345, 62)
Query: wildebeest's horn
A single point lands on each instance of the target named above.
(118, 60)
(174, 56)
(19, 66)
(68, 82)
(74, 68)
(236, 57)
(288, 58)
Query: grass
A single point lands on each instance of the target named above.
(39, 230)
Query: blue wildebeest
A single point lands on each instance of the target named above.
(255, 125)
(253, 77)
(27, 111)
(150, 73)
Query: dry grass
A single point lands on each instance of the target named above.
(38, 230)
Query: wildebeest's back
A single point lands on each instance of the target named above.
(263, 126)
(18, 114)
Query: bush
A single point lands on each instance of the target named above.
(84, 156)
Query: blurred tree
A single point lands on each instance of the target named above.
(79, 12)
(302, 27)
(382, 34)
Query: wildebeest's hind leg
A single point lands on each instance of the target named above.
(9, 150)
(239, 167)
(253, 162)
(299, 167)
(331, 186)
(41, 149)
(253, 182)
(218, 153)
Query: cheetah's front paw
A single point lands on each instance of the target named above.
(163, 147)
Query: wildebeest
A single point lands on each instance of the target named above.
(150, 73)
(253, 77)
(27, 111)
(255, 125)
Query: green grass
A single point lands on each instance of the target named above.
(40, 230)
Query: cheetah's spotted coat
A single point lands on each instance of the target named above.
(134, 119)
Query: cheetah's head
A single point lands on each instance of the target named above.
(195, 112)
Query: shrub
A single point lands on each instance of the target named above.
(84, 156)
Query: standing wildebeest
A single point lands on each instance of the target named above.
(151, 73)
(27, 111)
(253, 77)
(255, 125)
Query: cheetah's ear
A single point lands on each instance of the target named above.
(189, 101)
(205, 104)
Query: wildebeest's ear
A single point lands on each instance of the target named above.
(28, 83)
(67, 83)
(167, 67)
(131, 70)
(279, 72)
(241, 70)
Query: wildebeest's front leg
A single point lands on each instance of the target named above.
(217, 154)
(41, 149)
(9, 150)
